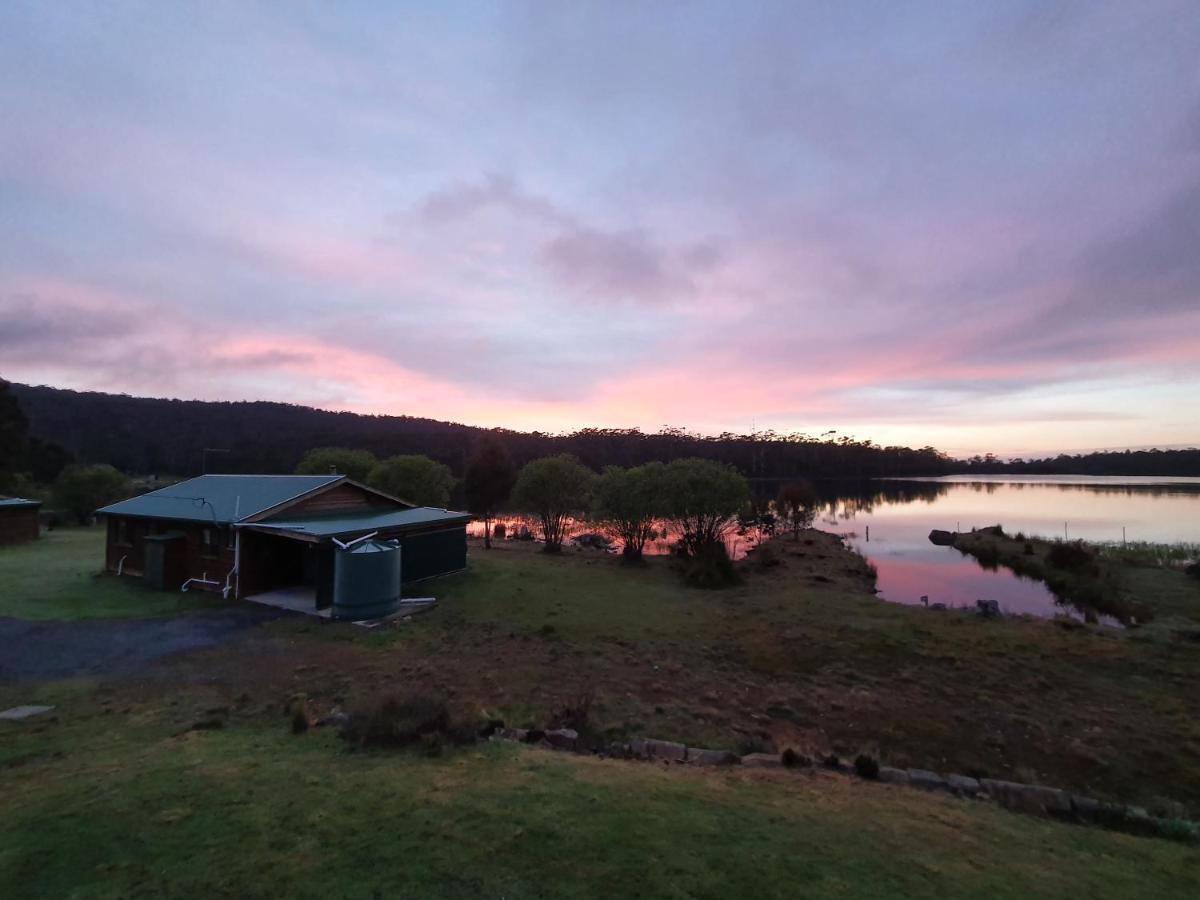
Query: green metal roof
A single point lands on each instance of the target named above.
(338, 524)
(18, 503)
(222, 499)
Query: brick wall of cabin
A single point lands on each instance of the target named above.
(18, 524)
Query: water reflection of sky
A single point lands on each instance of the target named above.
(893, 531)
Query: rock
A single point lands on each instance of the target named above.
(667, 750)
(700, 757)
(963, 784)
(762, 761)
(941, 538)
(562, 738)
(926, 780)
(1087, 807)
(989, 609)
(1029, 798)
(24, 712)
(337, 719)
(893, 776)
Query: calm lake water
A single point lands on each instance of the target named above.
(892, 528)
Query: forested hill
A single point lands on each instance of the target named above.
(143, 435)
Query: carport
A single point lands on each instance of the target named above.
(350, 564)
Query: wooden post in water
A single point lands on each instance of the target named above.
(1122, 535)
(868, 534)
(1066, 535)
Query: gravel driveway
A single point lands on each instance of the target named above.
(49, 649)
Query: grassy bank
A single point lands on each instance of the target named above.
(118, 798)
(61, 576)
(1095, 579)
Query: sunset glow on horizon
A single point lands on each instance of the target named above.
(972, 226)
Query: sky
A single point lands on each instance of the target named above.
(968, 225)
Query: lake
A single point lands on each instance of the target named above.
(889, 520)
(890, 526)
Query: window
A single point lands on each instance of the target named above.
(229, 537)
(208, 544)
(121, 532)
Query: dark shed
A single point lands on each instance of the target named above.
(19, 520)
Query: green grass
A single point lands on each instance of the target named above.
(795, 661)
(60, 576)
(128, 803)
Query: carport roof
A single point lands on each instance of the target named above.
(336, 525)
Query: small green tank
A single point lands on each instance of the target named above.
(366, 580)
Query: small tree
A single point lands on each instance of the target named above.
(81, 490)
(488, 482)
(553, 489)
(797, 504)
(341, 460)
(416, 479)
(701, 497)
(625, 503)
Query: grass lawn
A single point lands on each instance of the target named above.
(802, 654)
(117, 802)
(116, 796)
(61, 576)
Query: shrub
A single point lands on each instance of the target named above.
(576, 712)
(794, 760)
(702, 497)
(709, 566)
(397, 721)
(625, 503)
(866, 766)
(1072, 557)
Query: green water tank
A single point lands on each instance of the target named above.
(366, 580)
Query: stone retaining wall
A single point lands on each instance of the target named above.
(1026, 798)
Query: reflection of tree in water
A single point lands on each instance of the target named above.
(844, 499)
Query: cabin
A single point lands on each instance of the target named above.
(315, 543)
(19, 520)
